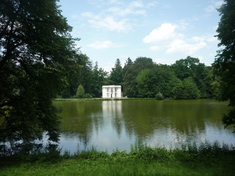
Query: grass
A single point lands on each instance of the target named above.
(100, 99)
(207, 160)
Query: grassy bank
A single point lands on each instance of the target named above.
(142, 160)
(100, 99)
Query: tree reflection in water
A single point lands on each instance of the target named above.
(111, 125)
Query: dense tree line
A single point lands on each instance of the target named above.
(142, 78)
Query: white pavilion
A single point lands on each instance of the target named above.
(111, 91)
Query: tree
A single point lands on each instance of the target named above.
(80, 74)
(224, 64)
(191, 67)
(190, 90)
(131, 72)
(159, 79)
(143, 84)
(80, 92)
(36, 55)
(99, 79)
(116, 76)
(127, 64)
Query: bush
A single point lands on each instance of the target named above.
(87, 95)
(159, 96)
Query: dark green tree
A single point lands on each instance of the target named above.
(116, 76)
(131, 73)
(224, 64)
(182, 68)
(36, 54)
(144, 84)
(127, 64)
(177, 88)
(190, 90)
(81, 64)
(159, 79)
(191, 67)
(85, 74)
(99, 79)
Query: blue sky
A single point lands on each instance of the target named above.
(164, 30)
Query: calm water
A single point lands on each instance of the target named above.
(111, 125)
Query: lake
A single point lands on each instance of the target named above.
(111, 125)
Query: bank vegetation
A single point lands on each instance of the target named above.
(189, 160)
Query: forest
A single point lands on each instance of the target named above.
(142, 78)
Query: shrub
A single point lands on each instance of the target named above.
(159, 96)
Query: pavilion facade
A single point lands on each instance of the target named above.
(111, 91)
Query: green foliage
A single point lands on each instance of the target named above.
(159, 96)
(36, 59)
(151, 82)
(99, 79)
(80, 92)
(224, 65)
(190, 90)
(81, 74)
(186, 79)
(131, 72)
(191, 67)
(142, 80)
(206, 159)
(116, 76)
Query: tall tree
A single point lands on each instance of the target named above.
(126, 65)
(191, 67)
(159, 79)
(224, 65)
(99, 79)
(85, 74)
(131, 72)
(79, 70)
(116, 75)
(36, 52)
(190, 90)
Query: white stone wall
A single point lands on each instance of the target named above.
(111, 91)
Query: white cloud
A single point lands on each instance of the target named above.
(107, 22)
(98, 3)
(155, 48)
(211, 8)
(136, 4)
(167, 37)
(125, 11)
(117, 2)
(163, 33)
(114, 15)
(212, 39)
(111, 24)
(89, 15)
(152, 4)
(198, 39)
(206, 38)
(134, 8)
(103, 45)
(181, 46)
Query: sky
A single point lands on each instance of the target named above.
(163, 30)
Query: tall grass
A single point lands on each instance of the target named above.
(190, 159)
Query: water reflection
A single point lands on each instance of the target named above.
(112, 110)
(108, 125)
